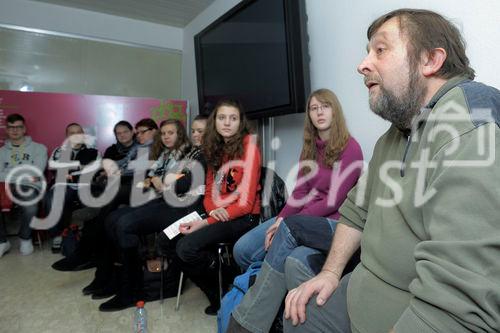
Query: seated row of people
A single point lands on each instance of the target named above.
(23, 164)
(230, 204)
(116, 230)
(227, 138)
(193, 254)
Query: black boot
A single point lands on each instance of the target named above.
(208, 283)
(110, 288)
(79, 260)
(101, 280)
(103, 274)
(130, 288)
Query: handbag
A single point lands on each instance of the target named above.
(152, 279)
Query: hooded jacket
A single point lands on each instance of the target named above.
(29, 153)
(428, 210)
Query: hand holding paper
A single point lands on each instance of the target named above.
(173, 230)
(187, 228)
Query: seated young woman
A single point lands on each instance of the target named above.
(338, 158)
(310, 215)
(172, 173)
(232, 198)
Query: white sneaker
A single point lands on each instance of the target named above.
(26, 247)
(4, 248)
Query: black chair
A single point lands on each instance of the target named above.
(273, 199)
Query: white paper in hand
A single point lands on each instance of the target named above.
(173, 230)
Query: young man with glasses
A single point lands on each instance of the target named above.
(22, 163)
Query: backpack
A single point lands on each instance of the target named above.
(273, 194)
(234, 296)
(70, 240)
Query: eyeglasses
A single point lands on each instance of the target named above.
(316, 108)
(143, 131)
(20, 127)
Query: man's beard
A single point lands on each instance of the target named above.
(400, 110)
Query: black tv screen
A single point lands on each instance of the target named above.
(255, 53)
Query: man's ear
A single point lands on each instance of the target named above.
(432, 61)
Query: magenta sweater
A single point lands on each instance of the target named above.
(323, 194)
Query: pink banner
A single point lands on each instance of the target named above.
(47, 114)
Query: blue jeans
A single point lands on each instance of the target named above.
(250, 247)
(301, 239)
(306, 235)
(27, 212)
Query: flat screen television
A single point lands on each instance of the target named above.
(256, 53)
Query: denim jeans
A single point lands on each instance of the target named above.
(27, 212)
(250, 247)
(300, 231)
(71, 202)
(331, 317)
(304, 239)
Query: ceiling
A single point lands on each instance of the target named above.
(177, 13)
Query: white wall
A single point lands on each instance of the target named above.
(337, 31)
(43, 16)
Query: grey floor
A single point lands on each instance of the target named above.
(36, 298)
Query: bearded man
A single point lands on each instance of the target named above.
(426, 212)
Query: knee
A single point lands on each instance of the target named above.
(240, 253)
(184, 250)
(293, 273)
(296, 272)
(295, 221)
(111, 221)
(30, 210)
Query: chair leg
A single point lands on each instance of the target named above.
(39, 239)
(222, 247)
(179, 292)
(161, 278)
(221, 261)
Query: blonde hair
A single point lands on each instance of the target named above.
(339, 134)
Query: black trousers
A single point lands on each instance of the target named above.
(125, 225)
(196, 254)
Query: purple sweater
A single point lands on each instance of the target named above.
(325, 191)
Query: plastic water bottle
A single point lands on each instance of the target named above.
(140, 318)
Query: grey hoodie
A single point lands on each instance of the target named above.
(29, 153)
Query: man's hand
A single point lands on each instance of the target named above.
(323, 284)
(270, 233)
(189, 227)
(220, 214)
